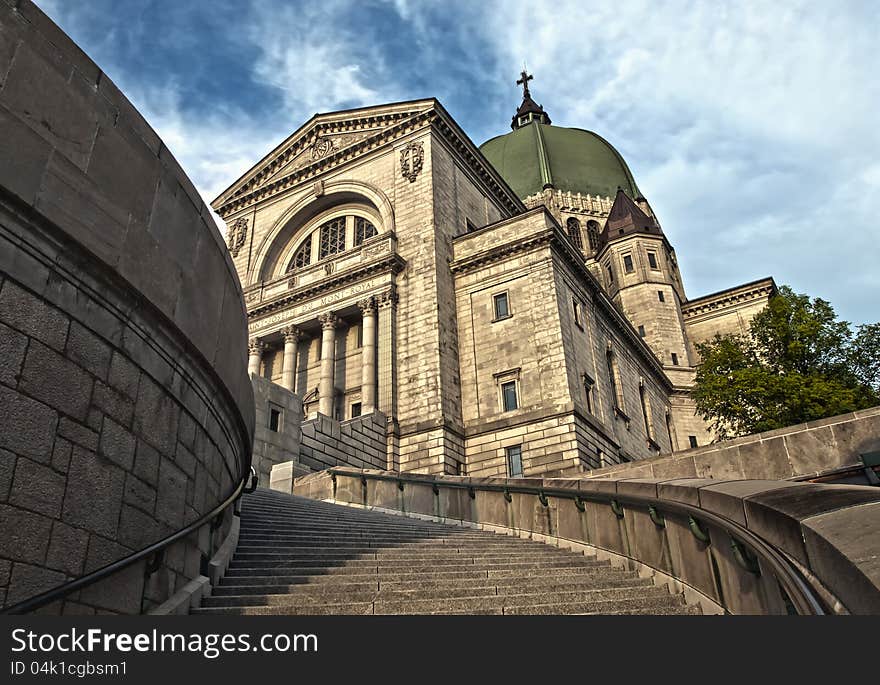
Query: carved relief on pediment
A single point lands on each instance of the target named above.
(323, 145)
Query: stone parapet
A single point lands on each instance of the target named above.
(748, 546)
(803, 451)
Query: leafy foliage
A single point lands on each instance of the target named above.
(798, 363)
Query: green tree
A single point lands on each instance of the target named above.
(798, 363)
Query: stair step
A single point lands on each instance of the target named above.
(486, 596)
(302, 557)
(449, 578)
(384, 566)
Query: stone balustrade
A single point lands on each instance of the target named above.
(741, 547)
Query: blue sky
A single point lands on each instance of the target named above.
(751, 126)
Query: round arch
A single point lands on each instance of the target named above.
(302, 212)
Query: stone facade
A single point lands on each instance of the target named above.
(277, 427)
(374, 245)
(828, 449)
(125, 411)
(360, 441)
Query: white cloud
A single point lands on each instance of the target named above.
(311, 58)
(751, 127)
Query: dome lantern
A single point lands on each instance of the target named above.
(529, 110)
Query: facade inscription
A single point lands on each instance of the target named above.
(352, 292)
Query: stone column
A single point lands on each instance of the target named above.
(255, 355)
(368, 355)
(387, 349)
(292, 335)
(326, 388)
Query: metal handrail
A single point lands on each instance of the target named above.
(802, 595)
(60, 591)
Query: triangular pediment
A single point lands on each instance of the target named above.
(319, 141)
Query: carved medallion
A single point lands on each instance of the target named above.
(411, 159)
(321, 147)
(236, 235)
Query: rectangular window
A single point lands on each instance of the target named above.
(577, 312)
(660, 296)
(642, 331)
(610, 273)
(692, 439)
(674, 359)
(501, 305)
(652, 261)
(514, 461)
(274, 419)
(355, 409)
(628, 263)
(508, 396)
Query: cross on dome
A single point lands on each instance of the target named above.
(523, 81)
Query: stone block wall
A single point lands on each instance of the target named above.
(795, 452)
(358, 442)
(126, 410)
(274, 446)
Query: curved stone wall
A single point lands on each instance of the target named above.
(126, 411)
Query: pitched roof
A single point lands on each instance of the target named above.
(626, 218)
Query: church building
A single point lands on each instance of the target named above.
(508, 309)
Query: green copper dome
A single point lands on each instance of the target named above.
(537, 155)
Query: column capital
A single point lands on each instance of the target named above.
(328, 320)
(256, 346)
(387, 298)
(368, 305)
(291, 334)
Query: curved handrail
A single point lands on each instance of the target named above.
(60, 591)
(802, 595)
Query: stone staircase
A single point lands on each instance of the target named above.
(299, 556)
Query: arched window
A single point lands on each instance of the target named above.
(303, 255)
(363, 230)
(328, 235)
(573, 226)
(332, 237)
(593, 235)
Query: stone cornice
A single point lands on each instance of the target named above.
(500, 252)
(390, 264)
(254, 186)
(731, 297)
(445, 125)
(251, 192)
